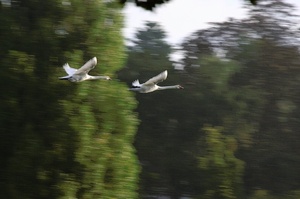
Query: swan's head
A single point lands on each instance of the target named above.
(179, 87)
(107, 78)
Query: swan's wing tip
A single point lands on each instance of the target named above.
(95, 60)
(165, 74)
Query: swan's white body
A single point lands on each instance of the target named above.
(151, 84)
(81, 74)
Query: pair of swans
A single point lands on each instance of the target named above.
(81, 74)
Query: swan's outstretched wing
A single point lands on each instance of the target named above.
(159, 78)
(136, 83)
(70, 71)
(89, 65)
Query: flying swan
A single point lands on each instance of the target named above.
(150, 85)
(81, 74)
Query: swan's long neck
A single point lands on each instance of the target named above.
(168, 87)
(98, 77)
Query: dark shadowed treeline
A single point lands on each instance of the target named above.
(233, 132)
(61, 139)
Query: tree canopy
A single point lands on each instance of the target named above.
(151, 4)
(60, 139)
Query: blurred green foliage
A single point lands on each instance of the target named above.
(58, 139)
(223, 170)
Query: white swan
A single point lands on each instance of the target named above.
(81, 74)
(150, 85)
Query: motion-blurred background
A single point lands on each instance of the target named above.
(232, 133)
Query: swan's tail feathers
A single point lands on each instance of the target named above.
(64, 78)
(136, 84)
(134, 89)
